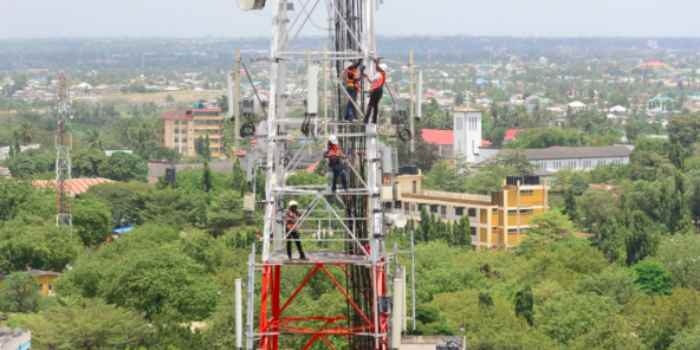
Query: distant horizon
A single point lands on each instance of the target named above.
(392, 36)
(222, 18)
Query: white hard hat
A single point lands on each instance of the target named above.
(383, 66)
(333, 139)
(293, 204)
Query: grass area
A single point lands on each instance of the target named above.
(186, 96)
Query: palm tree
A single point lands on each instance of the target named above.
(26, 133)
(94, 139)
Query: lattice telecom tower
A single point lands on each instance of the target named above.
(63, 147)
(343, 233)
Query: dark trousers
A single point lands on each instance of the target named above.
(294, 235)
(350, 108)
(339, 173)
(373, 106)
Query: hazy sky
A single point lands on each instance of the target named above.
(187, 18)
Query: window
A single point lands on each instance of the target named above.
(472, 212)
(434, 208)
(397, 205)
(473, 229)
(415, 187)
(387, 206)
(525, 211)
(443, 210)
(512, 231)
(459, 211)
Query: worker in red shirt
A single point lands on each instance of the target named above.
(376, 92)
(291, 218)
(335, 156)
(352, 78)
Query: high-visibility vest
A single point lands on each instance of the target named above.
(291, 219)
(351, 80)
(378, 82)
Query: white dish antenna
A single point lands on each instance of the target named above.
(397, 220)
(249, 5)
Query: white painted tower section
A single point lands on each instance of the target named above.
(467, 134)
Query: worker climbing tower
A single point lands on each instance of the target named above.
(343, 232)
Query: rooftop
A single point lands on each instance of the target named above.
(557, 152)
(73, 186)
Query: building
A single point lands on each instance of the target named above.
(432, 343)
(45, 279)
(577, 106)
(660, 105)
(182, 129)
(499, 220)
(550, 160)
(74, 187)
(467, 133)
(15, 339)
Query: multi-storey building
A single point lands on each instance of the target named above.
(182, 129)
(499, 220)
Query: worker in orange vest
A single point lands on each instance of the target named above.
(335, 156)
(291, 218)
(376, 92)
(352, 78)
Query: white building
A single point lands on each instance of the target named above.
(467, 133)
(551, 160)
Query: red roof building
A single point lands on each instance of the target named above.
(74, 187)
(444, 139)
(511, 135)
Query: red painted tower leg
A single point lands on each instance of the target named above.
(276, 313)
(265, 341)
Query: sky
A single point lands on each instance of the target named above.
(222, 18)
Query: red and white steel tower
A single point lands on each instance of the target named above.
(63, 148)
(343, 233)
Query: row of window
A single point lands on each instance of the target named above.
(576, 163)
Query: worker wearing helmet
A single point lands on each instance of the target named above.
(376, 92)
(335, 156)
(352, 78)
(290, 221)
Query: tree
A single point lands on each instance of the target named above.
(443, 176)
(524, 305)
(122, 166)
(545, 229)
(652, 278)
(44, 247)
(611, 333)
(642, 239)
(87, 163)
(461, 232)
(202, 147)
(92, 220)
(30, 163)
(226, 212)
(206, 178)
(126, 201)
(19, 293)
(566, 315)
(680, 255)
(689, 339)
(614, 283)
(146, 274)
(238, 177)
(85, 324)
(12, 195)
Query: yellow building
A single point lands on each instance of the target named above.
(182, 129)
(45, 280)
(499, 220)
